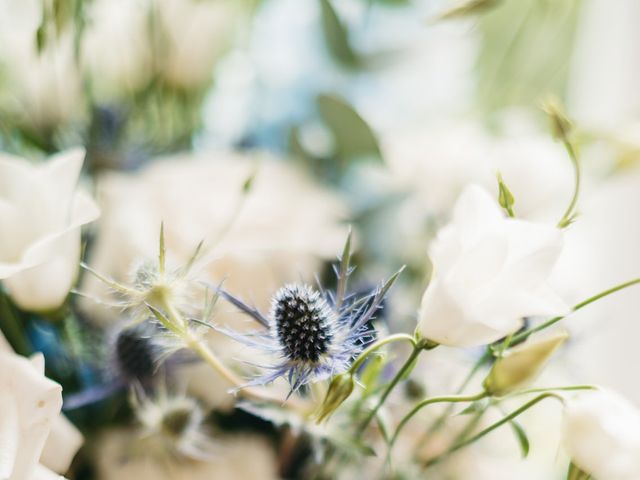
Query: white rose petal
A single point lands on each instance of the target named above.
(489, 272)
(602, 435)
(41, 213)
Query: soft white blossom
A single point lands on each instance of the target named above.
(44, 88)
(35, 440)
(490, 272)
(602, 435)
(116, 47)
(41, 213)
(192, 36)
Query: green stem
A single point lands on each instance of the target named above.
(428, 401)
(524, 335)
(398, 337)
(417, 348)
(491, 428)
(566, 218)
(11, 326)
(439, 422)
(570, 388)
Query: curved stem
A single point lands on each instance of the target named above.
(198, 347)
(428, 401)
(523, 335)
(398, 337)
(401, 373)
(570, 388)
(566, 218)
(437, 424)
(494, 426)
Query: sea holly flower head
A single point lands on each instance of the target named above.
(314, 333)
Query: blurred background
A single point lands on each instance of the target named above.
(269, 126)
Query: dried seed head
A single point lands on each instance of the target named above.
(303, 323)
(135, 354)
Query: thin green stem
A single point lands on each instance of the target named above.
(437, 424)
(566, 218)
(12, 327)
(398, 337)
(428, 401)
(570, 388)
(524, 335)
(417, 348)
(491, 428)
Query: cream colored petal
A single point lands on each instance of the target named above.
(45, 286)
(61, 446)
(9, 433)
(43, 473)
(476, 213)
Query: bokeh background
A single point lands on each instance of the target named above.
(365, 113)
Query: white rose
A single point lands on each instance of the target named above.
(602, 435)
(41, 213)
(490, 271)
(63, 440)
(30, 405)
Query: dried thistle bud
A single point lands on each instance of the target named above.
(522, 364)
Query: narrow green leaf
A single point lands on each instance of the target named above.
(354, 138)
(343, 273)
(337, 36)
(521, 436)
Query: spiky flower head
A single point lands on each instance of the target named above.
(316, 334)
(172, 425)
(303, 322)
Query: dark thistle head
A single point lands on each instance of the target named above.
(303, 323)
(135, 354)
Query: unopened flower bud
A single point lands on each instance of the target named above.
(561, 126)
(339, 390)
(521, 364)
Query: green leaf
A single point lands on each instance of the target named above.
(521, 436)
(354, 138)
(575, 473)
(337, 36)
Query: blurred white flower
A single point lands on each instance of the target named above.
(282, 228)
(489, 272)
(41, 213)
(63, 440)
(602, 435)
(436, 164)
(192, 35)
(43, 87)
(116, 47)
(243, 456)
(30, 404)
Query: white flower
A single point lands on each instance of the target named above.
(193, 36)
(116, 48)
(489, 272)
(249, 457)
(602, 435)
(63, 440)
(30, 405)
(41, 213)
(44, 88)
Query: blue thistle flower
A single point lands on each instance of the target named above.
(315, 333)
